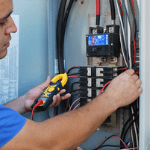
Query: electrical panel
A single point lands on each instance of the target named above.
(108, 46)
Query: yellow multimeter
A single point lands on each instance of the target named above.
(54, 88)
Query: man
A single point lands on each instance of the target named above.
(66, 131)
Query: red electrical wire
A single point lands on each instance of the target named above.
(97, 12)
(137, 73)
(32, 113)
(40, 102)
(134, 44)
(123, 68)
(73, 77)
(133, 6)
(98, 8)
(110, 138)
(121, 7)
(72, 68)
(104, 87)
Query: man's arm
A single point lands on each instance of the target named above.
(70, 129)
(23, 103)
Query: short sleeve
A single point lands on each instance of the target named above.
(11, 123)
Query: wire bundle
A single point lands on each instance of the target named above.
(62, 19)
(128, 45)
(60, 32)
(74, 91)
(100, 145)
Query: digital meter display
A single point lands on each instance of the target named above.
(102, 39)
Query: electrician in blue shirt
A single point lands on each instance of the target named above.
(68, 130)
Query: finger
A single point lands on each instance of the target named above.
(45, 84)
(140, 90)
(66, 96)
(58, 99)
(138, 82)
(54, 101)
(62, 91)
(134, 77)
(129, 72)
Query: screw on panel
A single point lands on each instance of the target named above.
(82, 2)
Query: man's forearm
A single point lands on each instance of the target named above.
(17, 104)
(77, 126)
(66, 131)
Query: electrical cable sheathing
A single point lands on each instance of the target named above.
(98, 8)
(59, 36)
(121, 7)
(130, 126)
(64, 24)
(112, 8)
(113, 136)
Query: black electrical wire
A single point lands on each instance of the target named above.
(71, 74)
(67, 15)
(130, 126)
(134, 109)
(123, 129)
(58, 39)
(64, 25)
(133, 16)
(61, 26)
(59, 33)
(76, 67)
(72, 91)
(123, 132)
(112, 7)
(75, 90)
(73, 85)
(105, 141)
(70, 99)
(108, 146)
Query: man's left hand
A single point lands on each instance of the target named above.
(34, 93)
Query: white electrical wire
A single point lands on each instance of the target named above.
(129, 36)
(132, 137)
(73, 103)
(121, 22)
(76, 106)
(121, 40)
(122, 49)
(138, 3)
(129, 49)
(137, 148)
(136, 134)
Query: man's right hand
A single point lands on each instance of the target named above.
(124, 89)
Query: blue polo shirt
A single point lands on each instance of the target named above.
(11, 123)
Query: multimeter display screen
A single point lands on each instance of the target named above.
(102, 39)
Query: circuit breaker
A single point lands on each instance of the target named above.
(104, 44)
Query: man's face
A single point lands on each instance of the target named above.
(7, 26)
